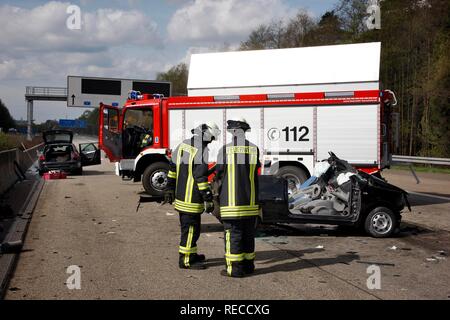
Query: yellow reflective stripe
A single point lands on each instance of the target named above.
(189, 207)
(188, 148)
(252, 178)
(239, 214)
(250, 256)
(187, 250)
(188, 245)
(228, 251)
(231, 194)
(203, 185)
(239, 208)
(229, 173)
(190, 181)
(178, 162)
(235, 257)
(172, 175)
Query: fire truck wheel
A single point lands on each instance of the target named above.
(293, 175)
(154, 178)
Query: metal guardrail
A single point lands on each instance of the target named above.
(421, 160)
(46, 91)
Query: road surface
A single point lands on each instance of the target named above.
(91, 221)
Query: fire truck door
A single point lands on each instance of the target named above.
(110, 138)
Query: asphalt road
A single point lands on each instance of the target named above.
(91, 221)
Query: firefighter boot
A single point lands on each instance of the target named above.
(249, 266)
(198, 257)
(190, 262)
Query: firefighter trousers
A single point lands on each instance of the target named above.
(190, 232)
(239, 246)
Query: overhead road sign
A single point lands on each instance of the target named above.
(89, 92)
(70, 123)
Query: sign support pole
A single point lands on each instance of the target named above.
(29, 119)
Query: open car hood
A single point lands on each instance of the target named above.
(58, 136)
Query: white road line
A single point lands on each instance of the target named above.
(429, 195)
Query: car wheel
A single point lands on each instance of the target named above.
(381, 222)
(79, 172)
(293, 175)
(154, 178)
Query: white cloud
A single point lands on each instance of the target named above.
(229, 20)
(36, 44)
(43, 28)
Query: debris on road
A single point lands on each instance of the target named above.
(54, 175)
(11, 247)
(319, 247)
(393, 248)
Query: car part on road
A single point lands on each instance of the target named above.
(380, 222)
(340, 195)
(11, 247)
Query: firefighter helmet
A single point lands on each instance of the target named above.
(209, 131)
(240, 124)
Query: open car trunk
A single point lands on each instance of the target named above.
(58, 153)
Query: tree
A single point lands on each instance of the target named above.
(6, 121)
(265, 37)
(299, 30)
(178, 76)
(352, 14)
(329, 30)
(91, 118)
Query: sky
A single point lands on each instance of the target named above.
(133, 39)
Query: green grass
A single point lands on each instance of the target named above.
(423, 168)
(6, 142)
(12, 141)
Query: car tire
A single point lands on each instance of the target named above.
(291, 173)
(78, 172)
(154, 178)
(381, 222)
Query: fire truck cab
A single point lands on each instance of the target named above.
(301, 103)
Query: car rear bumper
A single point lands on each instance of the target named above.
(71, 166)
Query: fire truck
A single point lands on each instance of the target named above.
(301, 103)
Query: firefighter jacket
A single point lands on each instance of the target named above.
(188, 175)
(237, 170)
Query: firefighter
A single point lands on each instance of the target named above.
(190, 192)
(237, 172)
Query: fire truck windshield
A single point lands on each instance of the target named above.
(137, 131)
(142, 118)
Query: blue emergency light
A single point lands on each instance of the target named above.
(134, 95)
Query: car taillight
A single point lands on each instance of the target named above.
(41, 157)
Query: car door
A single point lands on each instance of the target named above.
(110, 136)
(90, 154)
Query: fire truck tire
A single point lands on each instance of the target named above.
(154, 178)
(292, 174)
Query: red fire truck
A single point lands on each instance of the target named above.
(300, 103)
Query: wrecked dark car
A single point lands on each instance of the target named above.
(337, 194)
(61, 154)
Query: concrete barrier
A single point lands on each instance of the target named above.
(12, 162)
(8, 175)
